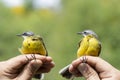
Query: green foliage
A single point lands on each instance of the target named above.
(59, 31)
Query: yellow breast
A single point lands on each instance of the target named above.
(89, 46)
(31, 46)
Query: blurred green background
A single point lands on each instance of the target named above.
(59, 30)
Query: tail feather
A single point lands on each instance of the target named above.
(64, 72)
(39, 76)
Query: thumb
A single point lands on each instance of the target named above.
(88, 72)
(30, 69)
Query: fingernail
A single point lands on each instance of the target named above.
(36, 65)
(83, 68)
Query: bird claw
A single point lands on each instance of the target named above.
(84, 59)
(32, 57)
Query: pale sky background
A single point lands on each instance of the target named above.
(52, 4)
(37, 4)
(12, 3)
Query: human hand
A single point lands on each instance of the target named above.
(95, 69)
(19, 68)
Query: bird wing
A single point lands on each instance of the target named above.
(44, 46)
(99, 48)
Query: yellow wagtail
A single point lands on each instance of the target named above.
(88, 46)
(33, 44)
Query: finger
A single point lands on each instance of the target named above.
(99, 64)
(48, 60)
(73, 67)
(88, 72)
(30, 70)
(74, 71)
(45, 68)
(21, 60)
(76, 62)
(49, 65)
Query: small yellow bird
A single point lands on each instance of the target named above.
(88, 46)
(33, 44)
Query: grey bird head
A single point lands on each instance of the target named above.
(25, 34)
(88, 32)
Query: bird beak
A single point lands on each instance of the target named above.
(80, 33)
(19, 35)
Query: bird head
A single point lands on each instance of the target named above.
(88, 32)
(26, 34)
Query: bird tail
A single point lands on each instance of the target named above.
(64, 72)
(39, 76)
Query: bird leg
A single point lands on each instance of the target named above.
(33, 57)
(84, 59)
(27, 59)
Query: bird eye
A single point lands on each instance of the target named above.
(85, 32)
(24, 33)
(34, 39)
